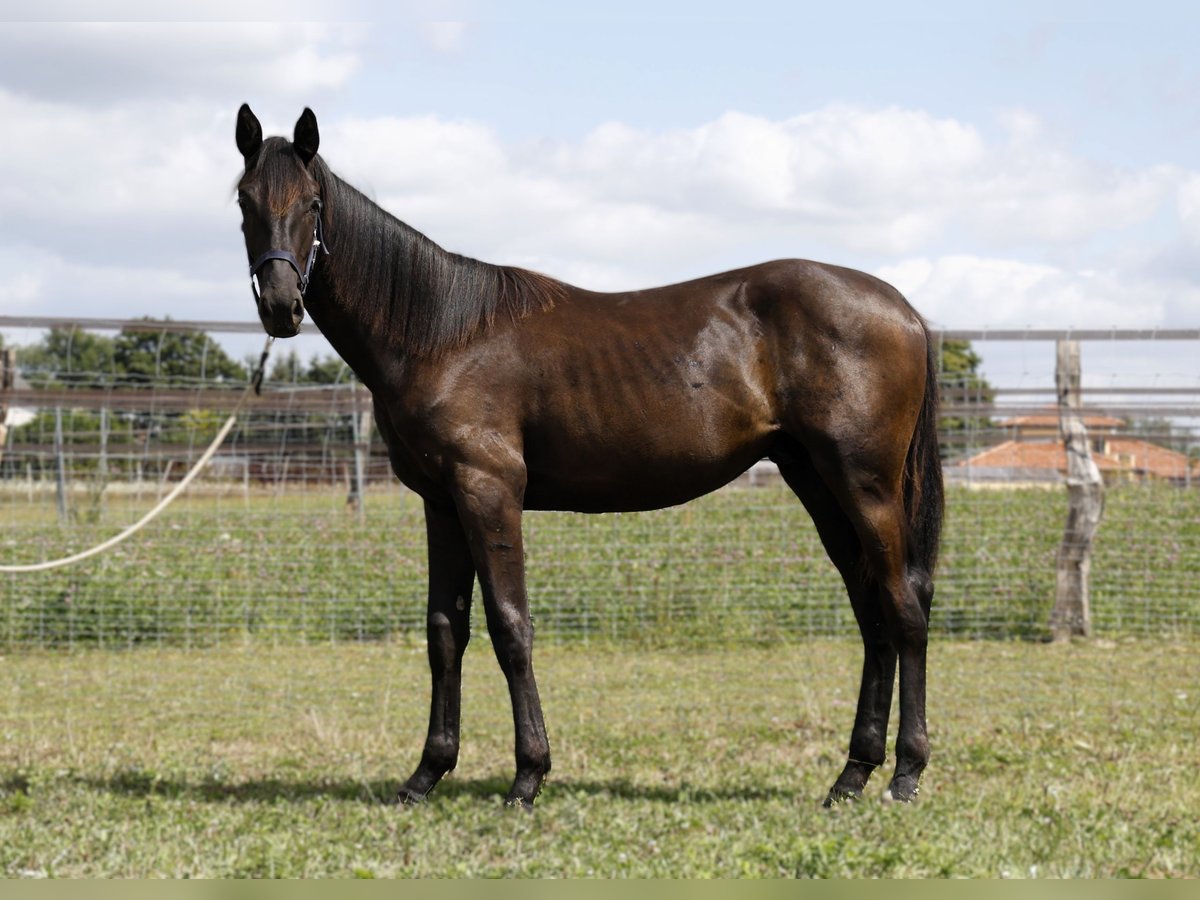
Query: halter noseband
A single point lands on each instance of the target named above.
(290, 258)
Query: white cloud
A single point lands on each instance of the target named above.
(875, 179)
(116, 63)
(118, 184)
(422, 154)
(141, 191)
(966, 291)
(884, 181)
(45, 282)
(1044, 196)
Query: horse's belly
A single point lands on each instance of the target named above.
(623, 484)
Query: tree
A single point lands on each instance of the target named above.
(150, 355)
(963, 392)
(319, 370)
(69, 358)
(1162, 431)
(81, 359)
(328, 370)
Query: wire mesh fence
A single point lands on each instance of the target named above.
(297, 532)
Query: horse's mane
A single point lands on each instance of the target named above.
(395, 281)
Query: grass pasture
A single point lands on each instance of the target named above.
(240, 689)
(743, 565)
(253, 760)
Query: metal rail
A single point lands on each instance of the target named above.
(250, 326)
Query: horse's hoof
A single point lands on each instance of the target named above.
(406, 797)
(521, 803)
(525, 788)
(903, 789)
(838, 796)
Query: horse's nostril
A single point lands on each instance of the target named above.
(297, 310)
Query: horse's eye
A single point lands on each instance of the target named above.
(316, 205)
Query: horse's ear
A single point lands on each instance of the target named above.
(306, 138)
(249, 132)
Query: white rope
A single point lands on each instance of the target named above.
(161, 505)
(142, 522)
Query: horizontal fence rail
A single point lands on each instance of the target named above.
(297, 531)
(250, 326)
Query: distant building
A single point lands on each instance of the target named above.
(1035, 454)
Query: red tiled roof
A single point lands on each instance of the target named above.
(1124, 455)
(1151, 458)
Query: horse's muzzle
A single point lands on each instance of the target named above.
(278, 289)
(281, 316)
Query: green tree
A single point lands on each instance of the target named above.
(153, 355)
(286, 369)
(328, 370)
(319, 370)
(965, 393)
(1164, 432)
(69, 358)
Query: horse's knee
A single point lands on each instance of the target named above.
(447, 639)
(511, 635)
(921, 584)
(905, 621)
(911, 631)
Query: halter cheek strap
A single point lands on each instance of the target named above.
(290, 258)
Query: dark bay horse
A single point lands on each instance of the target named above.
(499, 390)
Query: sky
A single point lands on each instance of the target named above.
(1026, 164)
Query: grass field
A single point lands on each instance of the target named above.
(742, 564)
(1049, 760)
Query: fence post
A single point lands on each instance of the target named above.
(1071, 616)
(8, 376)
(360, 435)
(102, 460)
(60, 466)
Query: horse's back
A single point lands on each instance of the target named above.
(652, 397)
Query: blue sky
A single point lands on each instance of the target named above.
(1005, 165)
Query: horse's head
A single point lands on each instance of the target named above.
(281, 217)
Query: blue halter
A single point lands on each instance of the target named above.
(290, 258)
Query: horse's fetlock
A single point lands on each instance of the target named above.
(441, 755)
(912, 754)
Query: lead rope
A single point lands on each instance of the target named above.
(255, 386)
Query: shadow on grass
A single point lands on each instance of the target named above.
(280, 790)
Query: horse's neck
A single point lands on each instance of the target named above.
(387, 293)
(347, 309)
(346, 330)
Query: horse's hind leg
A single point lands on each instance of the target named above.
(873, 502)
(868, 740)
(451, 578)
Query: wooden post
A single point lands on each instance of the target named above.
(1071, 616)
(360, 427)
(60, 466)
(8, 375)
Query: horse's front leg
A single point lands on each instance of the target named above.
(451, 579)
(490, 509)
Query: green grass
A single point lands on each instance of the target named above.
(740, 565)
(252, 760)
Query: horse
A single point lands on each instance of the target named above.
(498, 390)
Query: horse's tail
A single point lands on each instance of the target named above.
(923, 493)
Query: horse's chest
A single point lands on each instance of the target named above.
(416, 461)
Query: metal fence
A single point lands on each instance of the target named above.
(298, 532)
